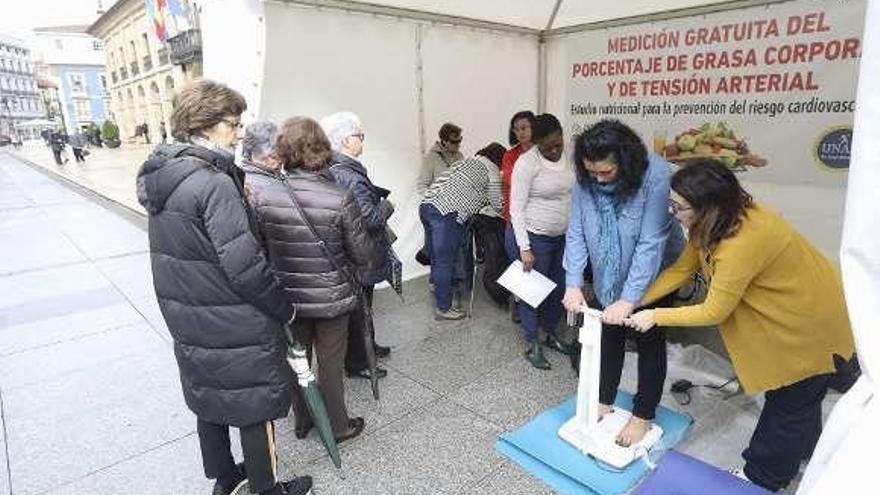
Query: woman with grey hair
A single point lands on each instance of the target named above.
(346, 137)
(258, 148)
(317, 247)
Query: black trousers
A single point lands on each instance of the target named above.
(651, 347)
(356, 355)
(257, 444)
(787, 432)
(78, 155)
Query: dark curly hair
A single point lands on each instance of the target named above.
(718, 200)
(613, 141)
(525, 114)
(301, 143)
(494, 152)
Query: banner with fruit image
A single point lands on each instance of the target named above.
(711, 140)
(769, 90)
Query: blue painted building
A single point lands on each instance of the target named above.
(75, 62)
(83, 95)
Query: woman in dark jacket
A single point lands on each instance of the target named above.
(323, 289)
(346, 137)
(223, 307)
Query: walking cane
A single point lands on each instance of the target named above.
(473, 289)
(296, 358)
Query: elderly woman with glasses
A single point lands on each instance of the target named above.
(224, 308)
(441, 156)
(318, 245)
(621, 226)
(777, 301)
(346, 135)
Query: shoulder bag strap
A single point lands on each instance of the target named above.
(355, 285)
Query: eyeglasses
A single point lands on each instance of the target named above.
(454, 141)
(359, 135)
(676, 208)
(235, 124)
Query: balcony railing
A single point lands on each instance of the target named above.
(163, 57)
(186, 47)
(148, 63)
(135, 70)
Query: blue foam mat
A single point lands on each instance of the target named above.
(538, 448)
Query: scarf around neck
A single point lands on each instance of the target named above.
(609, 242)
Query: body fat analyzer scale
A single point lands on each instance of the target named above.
(584, 431)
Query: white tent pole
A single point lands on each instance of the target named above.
(542, 59)
(553, 16)
(420, 89)
(845, 457)
(542, 74)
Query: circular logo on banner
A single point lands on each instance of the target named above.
(833, 148)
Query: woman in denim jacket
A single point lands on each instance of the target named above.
(620, 224)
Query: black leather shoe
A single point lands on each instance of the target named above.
(302, 430)
(356, 427)
(225, 485)
(381, 351)
(365, 373)
(301, 485)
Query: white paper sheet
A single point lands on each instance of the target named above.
(531, 287)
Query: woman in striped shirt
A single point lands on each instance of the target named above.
(457, 195)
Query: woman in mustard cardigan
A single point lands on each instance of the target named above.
(777, 301)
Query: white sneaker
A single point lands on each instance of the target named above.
(449, 314)
(740, 473)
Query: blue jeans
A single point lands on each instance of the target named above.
(548, 262)
(443, 236)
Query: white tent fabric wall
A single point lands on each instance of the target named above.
(846, 454)
(235, 32)
(320, 61)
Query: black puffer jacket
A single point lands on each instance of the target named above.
(375, 208)
(222, 304)
(310, 279)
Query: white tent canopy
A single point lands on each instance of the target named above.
(536, 15)
(407, 66)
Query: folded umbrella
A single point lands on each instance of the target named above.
(367, 330)
(395, 273)
(296, 357)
